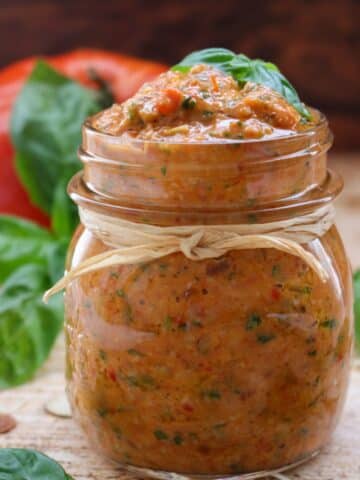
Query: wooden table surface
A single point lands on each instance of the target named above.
(61, 439)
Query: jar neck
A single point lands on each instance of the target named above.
(192, 183)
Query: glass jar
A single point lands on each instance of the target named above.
(225, 366)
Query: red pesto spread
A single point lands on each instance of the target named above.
(222, 366)
(203, 104)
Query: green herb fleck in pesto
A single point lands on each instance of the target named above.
(163, 170)
(212, 394)
(236, 467)
(141, 381)
(329, 323)
(120, 292)
(178, 439)
(132, 112)
(207, 113)
(196, 323)
(114, 275)
(102, 412)
(253, 322)
(135, 353)
(219, 426)
(275, 270)
(252, 218)
(144, 266)
(128, 314)
(117, 431)
(265, 338)
(306, 289)
(168, 322)
(312, 353)
(231, 275)
(188, 103)
(160, 435)
(102, 355)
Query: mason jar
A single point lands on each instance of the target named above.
(233, 364)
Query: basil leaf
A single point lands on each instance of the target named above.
(64, 213)
(30, 261)
(22, 242)
(357, 309)
(46, 131)
(55, 256)
(28, 327)
(22, 464)
(244, 69)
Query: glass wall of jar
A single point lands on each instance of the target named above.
(223, 366)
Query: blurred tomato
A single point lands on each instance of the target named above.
(122, 74)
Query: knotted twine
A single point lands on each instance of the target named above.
(134, 243)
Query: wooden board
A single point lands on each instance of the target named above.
(62, 440)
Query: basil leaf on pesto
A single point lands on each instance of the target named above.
(244, 69)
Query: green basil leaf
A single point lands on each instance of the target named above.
(46, 131)
(31, 260)
(55, 256)
(28, 327)
(357, 309)
(64, 214)
(244, 69)
(22, 242)
(22, 464)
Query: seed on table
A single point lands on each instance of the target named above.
(58, 406)
(7, 423)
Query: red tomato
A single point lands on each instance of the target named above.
(123, 74)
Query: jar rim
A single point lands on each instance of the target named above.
(126, 175)
(84, 197)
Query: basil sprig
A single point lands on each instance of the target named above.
(46, 132)
(23, 464)
(244, 69)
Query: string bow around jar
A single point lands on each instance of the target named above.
(134, 243)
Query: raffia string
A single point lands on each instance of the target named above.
(134, 243)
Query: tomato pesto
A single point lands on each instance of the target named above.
(226, 365)
(199, 105)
